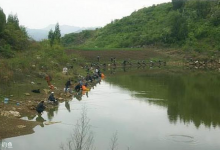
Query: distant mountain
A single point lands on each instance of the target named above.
(37, 34)
(40, 34)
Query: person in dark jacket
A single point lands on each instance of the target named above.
(40, 107)
(77, 87)
(68, 83)
(88, 77)
(51, 97)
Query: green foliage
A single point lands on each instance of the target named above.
(12, 36)
(2, 21)
(179, 29)
(73, 39)
(51, 37)
(184, 95)
(54, 37)
(201, 7)
(13, 20)
(16, 37)
(57, 34)
(6, 51)
(182, 24)
(177, 4)
(215, 18)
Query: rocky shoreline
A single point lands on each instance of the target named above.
(12, 125)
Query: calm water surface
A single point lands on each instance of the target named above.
(167, 111)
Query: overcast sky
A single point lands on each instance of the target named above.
(38, 14)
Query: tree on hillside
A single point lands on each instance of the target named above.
(177, 4)
(16, 38)
(179, 29)
(54, 36)
(203, 8)
(57, 34)
(12, 36)
(51, 37)
(215, 18)
(2, 21)
(13, 20)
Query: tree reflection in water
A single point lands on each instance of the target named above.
(188, 96)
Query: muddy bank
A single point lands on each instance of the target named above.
(12, 127)
(11, 124)
(22, 103)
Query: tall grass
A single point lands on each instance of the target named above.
(40, 57)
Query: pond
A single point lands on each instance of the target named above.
(148, 110)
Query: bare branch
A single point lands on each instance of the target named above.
(82, 137)
(114, 141)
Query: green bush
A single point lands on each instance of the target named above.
(6, 51)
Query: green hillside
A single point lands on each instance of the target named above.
(13, 37)
(188, 25)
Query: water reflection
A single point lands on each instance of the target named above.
(87, 94)
(78, 95)
(40, 119)
(112, 108)
(31, 117)
(190, 97)
(67, 105)
(51, 112)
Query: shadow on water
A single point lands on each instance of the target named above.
(40, 119)
(51, 112)
(67, 105)
(189, 96)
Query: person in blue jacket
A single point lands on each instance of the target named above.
(40, 107)
(51, 97)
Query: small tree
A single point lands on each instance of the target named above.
(54, 37)
(14, 35)
(179, 29)
(13, 20)
(177, 4)
(57, 34)
(51, 37)
(82, 137)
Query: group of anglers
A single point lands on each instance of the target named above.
(128, 62)
(81, 85)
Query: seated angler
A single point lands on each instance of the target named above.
(51, 97)
(40, 107)
(88, 78)
(77, 87)
(68, 84)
